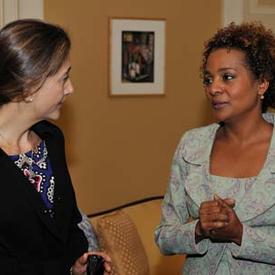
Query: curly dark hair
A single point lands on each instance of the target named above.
(258, 45)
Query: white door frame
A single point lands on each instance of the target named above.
(232, 11)
(16, 9)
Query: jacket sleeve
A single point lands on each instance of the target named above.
(176, 233)
(89, 232)
(258, 244)
(77, 241)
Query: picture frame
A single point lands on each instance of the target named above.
(137, 56)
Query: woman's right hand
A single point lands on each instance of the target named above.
(212, 217)
(233, 231)
(80, 265)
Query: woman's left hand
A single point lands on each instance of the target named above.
(80, 265)
(233, 231)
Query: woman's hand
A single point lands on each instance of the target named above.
(232, 230)
(212, 216)
(218, 221)
(80, 265)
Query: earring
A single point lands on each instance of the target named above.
(29, 100)
(262, 97)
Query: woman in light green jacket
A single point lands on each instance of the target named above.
(223, 175)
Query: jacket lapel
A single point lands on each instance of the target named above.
(196, 154)
(62, 203)
(58, 224)
(23, 188)
(262, 194)
(258, 199)
(62, 193)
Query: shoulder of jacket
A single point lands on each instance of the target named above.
(47, 128)
(200, 134)
(194, 144)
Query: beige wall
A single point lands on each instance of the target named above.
(120, 149)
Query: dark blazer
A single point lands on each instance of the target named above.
(31, 241)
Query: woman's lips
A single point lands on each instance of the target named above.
(61, 101)
(219, 105)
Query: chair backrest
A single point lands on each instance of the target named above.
(118, 236)
(145, 215)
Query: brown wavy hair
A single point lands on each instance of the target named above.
(30, 51)
(258, 45)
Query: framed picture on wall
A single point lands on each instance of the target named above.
(137, 56)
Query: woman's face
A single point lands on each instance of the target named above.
(230, 85)
(48, 100)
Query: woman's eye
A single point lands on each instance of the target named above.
(65, 78)
(207, 81)
(228, 77)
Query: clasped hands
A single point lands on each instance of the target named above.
(218, 221)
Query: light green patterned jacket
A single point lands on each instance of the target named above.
(189, 187)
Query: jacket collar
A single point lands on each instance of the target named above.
(198, 147)
(47, 132)
(257, 200)
(262, 194)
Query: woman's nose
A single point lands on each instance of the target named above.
(214, 88)
(69, 89)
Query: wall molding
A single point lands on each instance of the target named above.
(255, 8)
(232, 11)
(11, 10)
(1, 13)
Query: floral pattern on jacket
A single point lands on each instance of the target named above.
(189, 186)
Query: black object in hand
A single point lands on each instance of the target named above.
(95, 265)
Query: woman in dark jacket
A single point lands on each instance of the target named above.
(38, 210)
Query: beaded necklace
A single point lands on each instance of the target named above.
(28, 160)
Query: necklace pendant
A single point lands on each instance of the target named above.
(29, 173)
(25, 159)
(32, 174)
